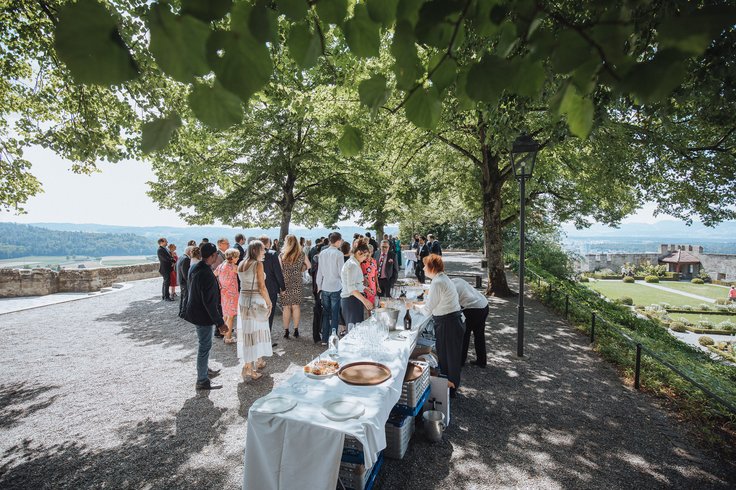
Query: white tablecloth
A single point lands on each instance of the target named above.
(302, 448)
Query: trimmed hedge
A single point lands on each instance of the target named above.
(651, 279)
(678, 327)
(705, 340)
(628, 279)
(697, 280)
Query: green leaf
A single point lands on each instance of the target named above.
(423, 108)
(293, 9)
(373, 92)
(87, 40)
(351, 141)
(305, 46)
(215, 106)
(655, 79)
(263, 22)
(332, 11)
(382, 11)
(579, 112)
(434, 27)
(528, 78)
(464, 102)
(206, 10)
(508, 40)
(487, 79)
(178, 43)
(408, 10)
(362, 34)
(446, 72)
(242, 66)
(408, 68)
(571, 52)
(157, 133)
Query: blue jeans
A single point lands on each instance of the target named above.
(204, 332)
(330, 312)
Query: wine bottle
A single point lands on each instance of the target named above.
(407, 320)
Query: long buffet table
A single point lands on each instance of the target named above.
(302, 448)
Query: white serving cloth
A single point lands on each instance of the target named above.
(302, 448)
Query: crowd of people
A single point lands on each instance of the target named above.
(236, 290)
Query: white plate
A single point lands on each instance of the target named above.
(317, 376)
(399, 336)
(340, 409)
(276, 404)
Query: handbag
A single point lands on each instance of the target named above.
(257, 312)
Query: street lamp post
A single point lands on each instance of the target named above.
(523, 156)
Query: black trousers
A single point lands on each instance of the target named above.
(183, 298)
(166, 286)
(475, 323)
(385, 285)
(419, 271)
(352, 310)
(449, 332)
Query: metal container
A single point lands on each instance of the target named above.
(388, 317)
(434, 425)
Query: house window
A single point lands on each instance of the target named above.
(690, 267)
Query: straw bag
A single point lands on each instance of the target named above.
(257, 312)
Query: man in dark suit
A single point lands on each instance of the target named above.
(204, 310)
(239, 242)
(274, 276)
(371, 241)
(182, 273)
(165, 264)
(388, 269)
(433, 245)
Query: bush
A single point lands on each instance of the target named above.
(625, 300)
(666, 306)
(727, 325)
(651, 279)
(704, 340)
(706, 324)
(628, 279)
(697, 280)
(678, 327)
(584, 279)
(685, 307)
(721, 301)
(705, 306)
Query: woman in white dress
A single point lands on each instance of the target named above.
(254, 307)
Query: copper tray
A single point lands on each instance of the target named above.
(364, 373)
(413, 371)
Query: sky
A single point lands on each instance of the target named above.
(117, 196)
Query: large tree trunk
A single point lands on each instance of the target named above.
(379, 226)
(491, 185)
(285, 222)
(287, 205)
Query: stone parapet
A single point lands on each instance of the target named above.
(39, 282)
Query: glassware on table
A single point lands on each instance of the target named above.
(333, 344)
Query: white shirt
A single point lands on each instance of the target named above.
(329, 270)
(352, 277)
(469, 296)
(442, 298)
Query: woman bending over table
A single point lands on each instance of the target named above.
(352, 299)
(444, 306)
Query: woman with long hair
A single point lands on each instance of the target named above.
(293, 262)
(370, 275)
(227, 277)
(352, 297)
(254, 308)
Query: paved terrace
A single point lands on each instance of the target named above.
(99, 393)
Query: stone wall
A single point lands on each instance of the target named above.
(613, 261)
(719, 266)
(39, 282)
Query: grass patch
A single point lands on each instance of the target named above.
(706, 290)
(642, 295)
(694, 318)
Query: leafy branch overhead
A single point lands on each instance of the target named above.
(223, 50)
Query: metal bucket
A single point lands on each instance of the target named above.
(434, 425)
(388, 316)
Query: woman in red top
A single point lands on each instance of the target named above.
(227, 277)
(732, 294)
(172, 274)
(370, 276)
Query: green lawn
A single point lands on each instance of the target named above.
(697, 317)
(642, 295)
(708, 290)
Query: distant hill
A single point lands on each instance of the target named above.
(18, 240)
(665, 230)
(181, 235)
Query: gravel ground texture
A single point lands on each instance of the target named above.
(99, 393)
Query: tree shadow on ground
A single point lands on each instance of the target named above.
(151, 455)
(17, 401)
(156, 322)
(561, 417)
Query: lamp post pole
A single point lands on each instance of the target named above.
(520, 307)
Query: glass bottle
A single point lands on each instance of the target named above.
(407, 320)
(333, 344)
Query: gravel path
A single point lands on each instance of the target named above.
(100, 393)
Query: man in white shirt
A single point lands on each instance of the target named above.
(475, 310)
(329, 284)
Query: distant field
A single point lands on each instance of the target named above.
(642, 295)
(69, 262)
(711, 291)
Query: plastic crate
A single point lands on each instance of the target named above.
(411, 391)
(399, 429)
(413, 411)
(352, 451)
(357, 477)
